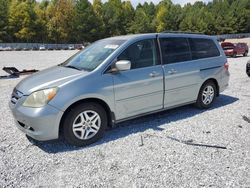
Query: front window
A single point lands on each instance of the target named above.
(141, 54)
(94, 55)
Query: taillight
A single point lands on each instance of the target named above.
(226, 66)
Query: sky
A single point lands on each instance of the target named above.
(181, 2)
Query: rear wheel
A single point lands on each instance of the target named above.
(206, 95)
(84, 124)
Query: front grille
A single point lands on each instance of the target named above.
(15, 96)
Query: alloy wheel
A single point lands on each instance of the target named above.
(208, 95)
(86, 125)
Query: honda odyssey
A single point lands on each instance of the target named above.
(117, 79)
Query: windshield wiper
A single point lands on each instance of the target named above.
(73, 67)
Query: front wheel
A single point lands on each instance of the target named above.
(84, 124)
(206, 95)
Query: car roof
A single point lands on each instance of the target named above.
(145, 35)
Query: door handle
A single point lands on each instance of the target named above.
(154, 74)
(172, 71)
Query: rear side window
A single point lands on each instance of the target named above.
(203, 48)
(175, 50)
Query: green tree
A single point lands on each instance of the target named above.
(98, 8)
(79, 21)
(41, 10)
(4, 7)
(87, 24)
(141, 22)
(168, 16)
(241, 12)
(128, 15)
(224, 19)
(22, 20)
(113, 18)
(98, 11)
(147, 11)
(61, 15)
(196, 18)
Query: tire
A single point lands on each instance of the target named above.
(79, 129)
(211, 90)
(245, 54)
(234, 55)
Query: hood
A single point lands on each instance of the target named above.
(51, 77)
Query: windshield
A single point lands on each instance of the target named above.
(94, 55)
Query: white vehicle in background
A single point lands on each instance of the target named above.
(71, 47)
(8, 48)
(42, 47)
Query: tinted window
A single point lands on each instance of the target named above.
(203, 48)
(175, 50)
(141, 54)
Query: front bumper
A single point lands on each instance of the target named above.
(39, 123)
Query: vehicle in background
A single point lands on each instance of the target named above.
(58, 47)
(50, 48)
(35, 48)
(65, 47)
(17, 48)
(1, 48)
(8, 48)
(42, 47)
(234, 49)
(71, 47)
(79, 46)
(248, 68)
(117, 79)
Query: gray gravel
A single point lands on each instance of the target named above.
(153, 151)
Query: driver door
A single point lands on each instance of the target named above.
(140, 89)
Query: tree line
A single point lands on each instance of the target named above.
(77, 21)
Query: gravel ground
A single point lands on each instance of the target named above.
(154, 151)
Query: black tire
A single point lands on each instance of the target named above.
(245, 54)
(71, 116)
(199, 102)
(234, 55)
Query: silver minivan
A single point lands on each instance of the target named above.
(117, 79)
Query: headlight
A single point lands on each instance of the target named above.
(40, 98)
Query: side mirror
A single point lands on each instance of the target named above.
(123, 65)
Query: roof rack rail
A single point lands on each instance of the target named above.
(184, 32)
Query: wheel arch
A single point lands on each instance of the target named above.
(110, 114)
(216, 84)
